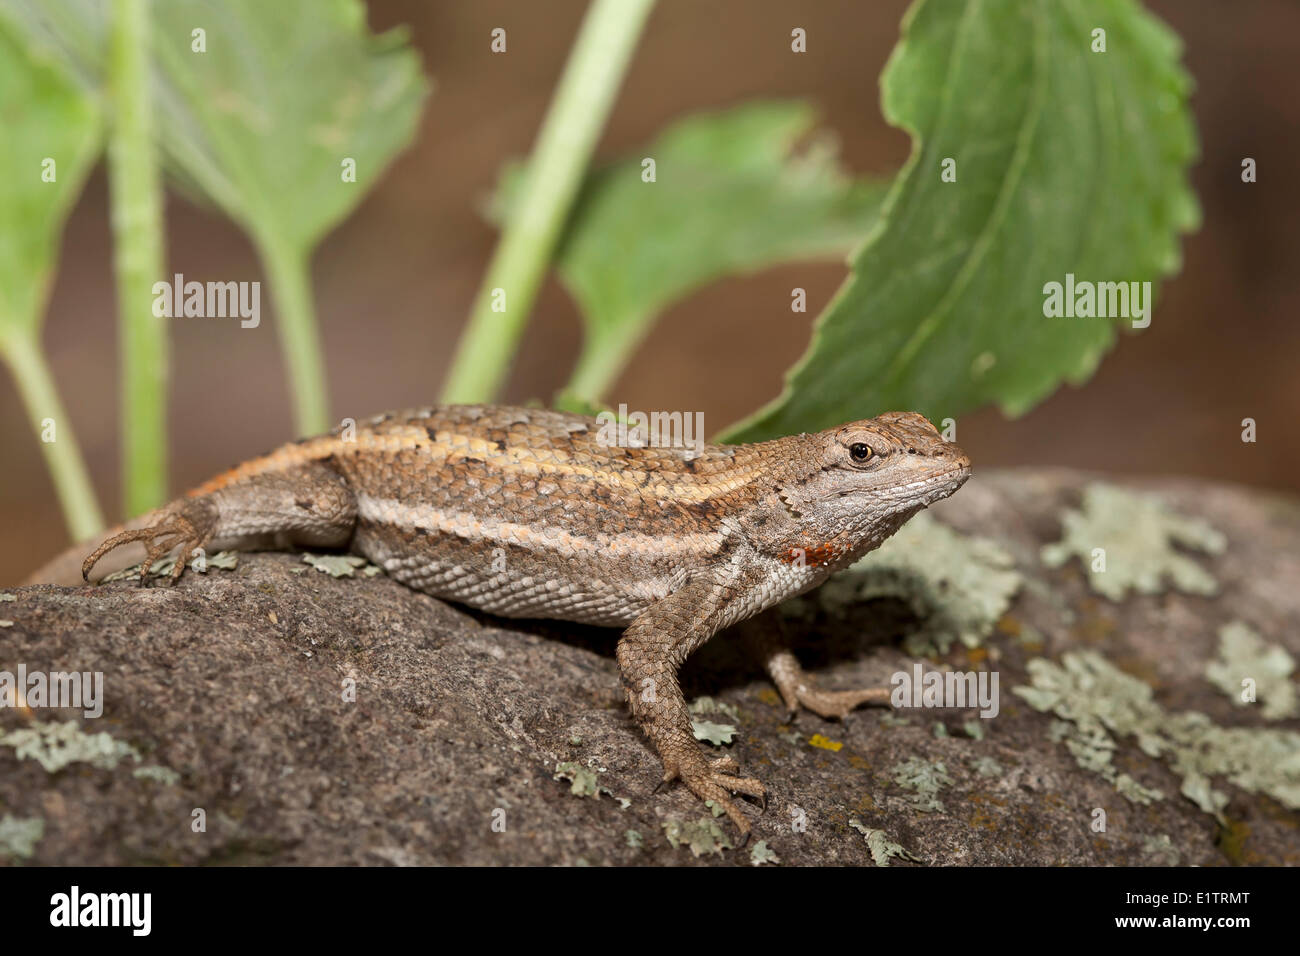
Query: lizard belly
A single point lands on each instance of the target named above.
(513, 579)
(766, 582)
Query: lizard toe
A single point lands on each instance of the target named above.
(725, 765)
(710, 783)
(837, 704)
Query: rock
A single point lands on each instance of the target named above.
(230, 695)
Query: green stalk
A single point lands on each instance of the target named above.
(581, 104)
(601, 361)
(63, 455)
(136, 194)
(295, 321)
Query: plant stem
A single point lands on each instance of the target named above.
(577, 115)
(295, 322)
(602, 360)
(136, 194)
(62, 455)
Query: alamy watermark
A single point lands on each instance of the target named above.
(946, 689)
(653, 430)
(84, 690)
(1102, 300)
(130, 910)
(208, 300)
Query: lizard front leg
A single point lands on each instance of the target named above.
(308, 504)
(650, 653)
(766, 633)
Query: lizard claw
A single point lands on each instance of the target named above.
(716, 781)
(159, 539)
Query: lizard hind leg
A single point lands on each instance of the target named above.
(798, 689)
(766, 633)
(308, 504)
(187, 524)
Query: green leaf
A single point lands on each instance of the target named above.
(734, 191)
(283, 94)
(261, 122)
(286, 99)
(45, 117)
(69, 33)
(1067, 161)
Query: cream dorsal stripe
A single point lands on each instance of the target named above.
(494, 529)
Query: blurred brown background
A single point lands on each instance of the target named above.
(395, 282)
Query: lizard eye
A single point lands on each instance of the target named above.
(859, 451)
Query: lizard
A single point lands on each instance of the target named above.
(530, 513)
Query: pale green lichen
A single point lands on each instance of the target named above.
(882, 848)
(1196, 788)
(716, 734)
(585, 782)
(761, 853)
(340, 565)
(959, 585)
(19, 836)
(925, 779)
(56, 745)
(1136, 792)
(634, 839)
(1103, 704)
(1162, 848)
(158, 774)
(1126, 542)
(1244, 656)
(986, 766)
(225, 560)
(702, 836)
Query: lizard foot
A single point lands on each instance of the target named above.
(716, 780)
(798, 689)
(830, 704)
(159, 539)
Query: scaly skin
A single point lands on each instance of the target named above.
(530, 513)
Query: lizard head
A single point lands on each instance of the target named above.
(867, 478)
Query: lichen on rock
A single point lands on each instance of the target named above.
(56, 745)
(1244, 656)
(19, 836)
(882, 848)
(1126, 542)
(1104, 704)
(959, 585)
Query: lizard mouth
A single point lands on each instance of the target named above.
(914, 495)
(926, 491)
